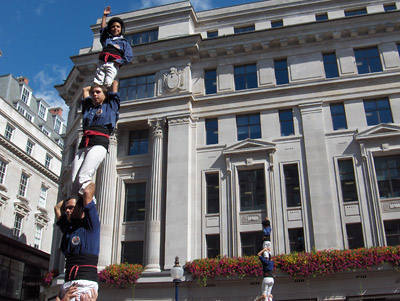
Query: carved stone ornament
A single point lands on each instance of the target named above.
(173, 79)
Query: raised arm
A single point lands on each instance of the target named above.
(86, 92)
(263, 250)
(114, 86)
(58, 209)
(107, 11)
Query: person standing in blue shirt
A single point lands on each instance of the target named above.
(116, 52)
(79, 222)
(100, 110)
(267, 236)
(268, 281)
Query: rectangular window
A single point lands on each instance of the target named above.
(45, 131)
(245, 77)
(286, 122)
(252, 189)
(347, 180)
(9, 132)
(355, 12)
(143, 37)
(212, 193)
(28, 116)
(392, 232)
(276, 23)
(338, 116)
(42, 111)
(330, 65)
(355, 237)
(321, 17)
(29, 147)
(388, 176)
(57, 125)
(368, 60)
(248, 126)
(390, 7)
(135, 202)
(296, 240)
(212, 33)
(251, 243)
(132, 252)
(137, 87)
(212, 131)
(47, 160)
(281, 72)
(21, 109)
(3, 168)
(213, 245)
(138, 142)
(210, 81)
(398, 48)
(23, 185)
(17, 225)
(378, 111)
(42, 197)
(292, 185)
(244, 29)
(25, 95)
(38, 236)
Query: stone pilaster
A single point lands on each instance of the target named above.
(106, 182)
(153, 218)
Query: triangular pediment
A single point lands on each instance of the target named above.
(382, 130)
(41, 218)
(249, 146)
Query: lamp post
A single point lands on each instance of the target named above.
(176, 275)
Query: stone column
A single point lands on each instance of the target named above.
(322, 203)
(106, 182)
(153, 212)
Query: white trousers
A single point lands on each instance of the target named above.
(105, 74)
(84, 286)
(267, 285)
(85, 165)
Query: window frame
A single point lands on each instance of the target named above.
(40, 113)
(281, 72)
(23, 184)
(26, 95)
(47, 160)
(212, 192)
(386, 171)
(360, 11)
(152, 36)
(277, 23)
(38, 236)
(293, 244)
(215, 247)
(249, 125)
(9, 132)
(244, 29)
(254, 243)
(141, 254)
(330, 65)
(211, 131)
(246, 79)
(42, 196)
(139, 204)
(3, 171)
(18, 224)
(142, 141)
(293, 200)
(286, 125)
(253, 179)
(378, 111)
(338, 117)
(136, 84)
(366, 61)
(355, 239)
(210, 82)
(347, 178)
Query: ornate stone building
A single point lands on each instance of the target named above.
(286, 109)
(30, 164)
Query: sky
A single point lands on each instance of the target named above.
(38, 37)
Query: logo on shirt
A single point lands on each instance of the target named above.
(76, 240)
(116, 46)
(98, 112)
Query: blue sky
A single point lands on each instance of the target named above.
(37, 37)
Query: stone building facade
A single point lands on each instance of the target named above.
(282, 109)
(30, 165)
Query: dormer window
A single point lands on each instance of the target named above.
(26, 95)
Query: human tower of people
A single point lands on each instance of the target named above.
(77, 216)
(268, 265)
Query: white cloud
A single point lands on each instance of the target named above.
(43, 84)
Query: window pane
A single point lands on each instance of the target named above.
(132, 252)
(368, 60)
(286, 122)
(330, 65)
(135, 195)
(292, 185)
(252, 189)
(347, 180)
(245, 77)
(248, 126)
(281, 72)
(387, 172)
(296, 240)
(213, 245)
(138, 142)
(251, 243)
(212, 131)
(212, 193)
(377, 111)
(338, 116)
(211, 81)
(392, 232)
(355, 236)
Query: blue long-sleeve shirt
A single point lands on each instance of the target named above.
(120, 43)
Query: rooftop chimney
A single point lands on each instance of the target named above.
(23, 79)
(56, 111)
